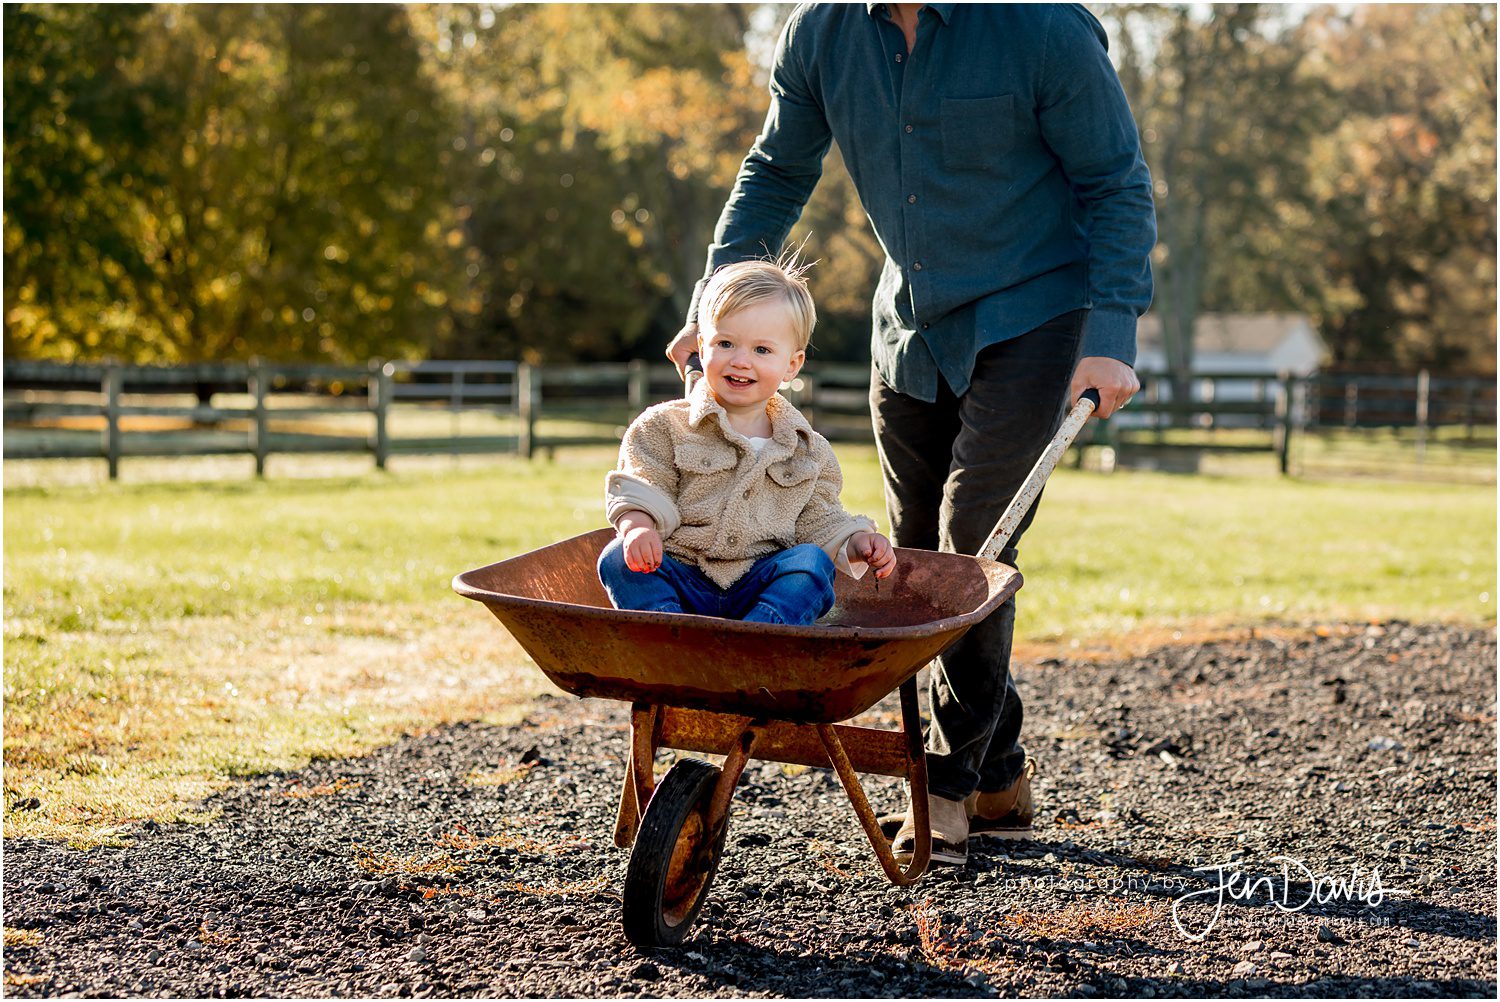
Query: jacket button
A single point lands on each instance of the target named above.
(732, 540)
(747, 495)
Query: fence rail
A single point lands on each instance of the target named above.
(117, 412)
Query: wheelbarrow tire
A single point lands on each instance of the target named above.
(675, 857)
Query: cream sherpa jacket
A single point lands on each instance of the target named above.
(717, 503)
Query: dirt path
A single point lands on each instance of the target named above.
(476, 861)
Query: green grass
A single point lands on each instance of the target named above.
(1143, 551)
(163, 638)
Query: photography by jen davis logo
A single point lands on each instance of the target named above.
(1294, 889)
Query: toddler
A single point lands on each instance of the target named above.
(726, 503)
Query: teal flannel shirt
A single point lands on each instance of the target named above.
(998, 162)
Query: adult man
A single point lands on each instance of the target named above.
(996, 157)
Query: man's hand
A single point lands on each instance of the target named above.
(1114, 380)
(682, 347)
(875, 550)
(642, 541)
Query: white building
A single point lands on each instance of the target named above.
(1256, 344)
(1238, 342)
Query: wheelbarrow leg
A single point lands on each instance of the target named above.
(735, 761)
(911, 722)
(639, 779)
(679, 845)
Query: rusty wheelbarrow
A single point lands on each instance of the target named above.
(749, 690)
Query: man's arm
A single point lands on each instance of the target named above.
(1086, 121)
(774, 182)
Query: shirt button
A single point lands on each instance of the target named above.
(911, 199)
(908, 128)
(916, 266)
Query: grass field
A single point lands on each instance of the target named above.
(164, 638)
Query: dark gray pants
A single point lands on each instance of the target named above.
(950, 469)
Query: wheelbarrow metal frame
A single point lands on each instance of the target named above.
(845, 748)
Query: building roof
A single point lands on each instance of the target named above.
(1232, 333)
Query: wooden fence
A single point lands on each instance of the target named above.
(1324, 423)
(385, 408)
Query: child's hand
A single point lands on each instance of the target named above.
(875, 550)
(642, 549)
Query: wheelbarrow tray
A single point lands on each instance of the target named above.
(878, 635)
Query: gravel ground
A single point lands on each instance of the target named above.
(478, 861)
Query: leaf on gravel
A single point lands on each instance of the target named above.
(563, 887)
(464, 842)
(298, 791)
(1082, 920)
(390, 864)
(22, 937)
(500, 777)
(942, 950)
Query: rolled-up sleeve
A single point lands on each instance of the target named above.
(1086, 120)
(779, 173)
(646, 479)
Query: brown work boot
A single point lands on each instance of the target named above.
(950, 833)
(1006, 813)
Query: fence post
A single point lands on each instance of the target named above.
(1351, 403)
(529, 385)
(1286, 418)
(259, 436)
(639, 385)
(809, 405)
(1153, 397)
(114, 380)
(1424, 389)
(380, 405)
(455, 405)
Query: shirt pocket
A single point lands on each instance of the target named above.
(977, 131)
(794, 471)
(705, 457)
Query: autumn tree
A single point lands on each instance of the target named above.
(1395, 229)
(595, 149)
(1216, 104)
(250, 180)
(1338, 162)
(77, 130)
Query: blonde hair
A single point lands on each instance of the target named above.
(735, 287)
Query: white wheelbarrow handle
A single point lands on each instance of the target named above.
(1037, 478)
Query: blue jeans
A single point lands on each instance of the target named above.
(793, 587)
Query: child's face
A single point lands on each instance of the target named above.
(750, 353)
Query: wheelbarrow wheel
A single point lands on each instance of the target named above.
(675, 857)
